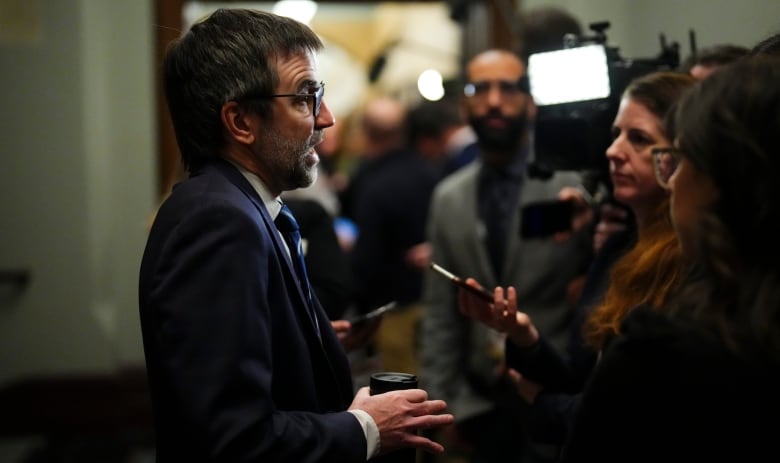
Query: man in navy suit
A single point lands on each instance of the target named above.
(243, 363)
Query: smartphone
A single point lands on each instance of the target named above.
(378, 312)
(545, 218)
(458, 281)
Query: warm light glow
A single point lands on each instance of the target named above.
(300, 10)
(430, 85)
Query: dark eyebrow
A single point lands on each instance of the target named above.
(308, 85)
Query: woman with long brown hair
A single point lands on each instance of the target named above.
(641, 265)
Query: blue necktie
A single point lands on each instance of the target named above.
(287, 224)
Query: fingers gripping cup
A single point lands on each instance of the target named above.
(386, 382)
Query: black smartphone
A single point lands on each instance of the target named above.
(378, 312)
(545, 218)
(458, 281)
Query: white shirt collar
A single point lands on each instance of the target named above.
(273, 204)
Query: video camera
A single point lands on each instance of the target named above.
(577, 90)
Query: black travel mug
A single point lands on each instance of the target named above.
(392, 381)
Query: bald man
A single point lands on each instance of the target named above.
(473, 228)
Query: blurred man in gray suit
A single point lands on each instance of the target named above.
(474, 229)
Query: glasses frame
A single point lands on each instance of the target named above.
(521, 86)
(674, 154)
(319, 92)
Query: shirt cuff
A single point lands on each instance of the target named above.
(371, 431)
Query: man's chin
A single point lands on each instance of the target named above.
(309, 176)
(311, 159)
(500, 145)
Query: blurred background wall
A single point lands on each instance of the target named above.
(81, 156)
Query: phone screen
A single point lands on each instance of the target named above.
(378, 312)
(458, 281)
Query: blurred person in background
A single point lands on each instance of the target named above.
(391, 252)
(382, 129)
(704, 62)
(474, 229)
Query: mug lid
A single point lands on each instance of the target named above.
(392, 381)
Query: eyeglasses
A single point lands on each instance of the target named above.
(507, 88)
(315, 96)
(665, 162)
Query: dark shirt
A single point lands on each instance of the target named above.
(563, 377)
(327, 264)
(391, 210)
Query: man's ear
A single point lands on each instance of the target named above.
(240, 124)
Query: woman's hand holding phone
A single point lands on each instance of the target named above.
(497, 310)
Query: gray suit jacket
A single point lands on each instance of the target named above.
(458, 353)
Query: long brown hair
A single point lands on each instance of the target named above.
(727, 131)
(646, 274)
(653, 267)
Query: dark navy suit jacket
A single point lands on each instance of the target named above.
(236, 369)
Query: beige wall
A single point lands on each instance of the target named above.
(76, 184)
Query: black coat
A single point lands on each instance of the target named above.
(237, 372)
(670, 390)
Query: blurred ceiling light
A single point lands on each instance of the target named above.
(430, 85)
(300, 10)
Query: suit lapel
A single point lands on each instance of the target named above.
(290, 276)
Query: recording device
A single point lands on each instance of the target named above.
(378, 312)
(577, 90)
(544, 218)
(459, 282)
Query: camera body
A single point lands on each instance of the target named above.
(577, 90)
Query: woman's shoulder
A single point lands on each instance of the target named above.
(692, 350)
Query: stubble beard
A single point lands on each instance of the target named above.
(505, 140)
(291, 160)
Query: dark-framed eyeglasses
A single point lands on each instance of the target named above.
(508, 88)
(315, 96)
(665, 162)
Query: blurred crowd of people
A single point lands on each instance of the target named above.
(647, 330)
(511, 389)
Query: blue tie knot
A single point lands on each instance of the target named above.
(285, 221)
(288, 226)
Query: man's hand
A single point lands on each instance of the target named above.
(400, 414)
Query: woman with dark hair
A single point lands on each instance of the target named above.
(700, 380)
(767, 46)
(640, 265)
